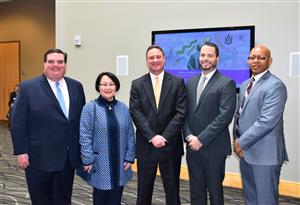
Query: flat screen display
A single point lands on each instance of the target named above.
(182, 50)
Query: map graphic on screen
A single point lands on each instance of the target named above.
(182, 50)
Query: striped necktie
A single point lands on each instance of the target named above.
(248, 90)
(237, 115)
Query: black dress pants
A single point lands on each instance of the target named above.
(206, 175)
(108, 197)
(169, 170)
(50, 188)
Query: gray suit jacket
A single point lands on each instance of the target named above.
(261, 121)
(209, 120)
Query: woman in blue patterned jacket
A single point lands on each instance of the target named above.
(107, 142)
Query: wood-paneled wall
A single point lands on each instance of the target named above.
(9, 72)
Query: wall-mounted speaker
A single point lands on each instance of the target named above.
(122, 65)
(295, 64)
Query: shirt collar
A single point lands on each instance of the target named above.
(62, 82)
(209, 75)
(161, 76)
(258, 76)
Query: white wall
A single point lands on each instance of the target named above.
(111, 28)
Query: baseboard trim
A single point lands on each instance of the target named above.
(286, 188)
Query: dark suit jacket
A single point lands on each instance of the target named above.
(167, 120)
(40, 128)
(12, 98)
(209, 120)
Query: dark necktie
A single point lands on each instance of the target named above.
(248, 90)
(237, 116)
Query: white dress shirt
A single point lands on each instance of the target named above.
(64, 89)
(160, 76)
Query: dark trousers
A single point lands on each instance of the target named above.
(50, 188)
(169, 170)
(206, 175)
(108, 197)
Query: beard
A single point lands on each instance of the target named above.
(206, 66)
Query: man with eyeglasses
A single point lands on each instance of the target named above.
(45, 131)
(258, 130)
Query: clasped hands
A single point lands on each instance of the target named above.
(158, 141)
(238, 149)
(194, 142)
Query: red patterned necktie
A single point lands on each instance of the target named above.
(248, 90)
(250, 85)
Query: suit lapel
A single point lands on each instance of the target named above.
(166, 85)
(72, 97)
(148, 88)
(242, 92)
(194, 88)
(46, 87)
(210, 83)
(256, 86)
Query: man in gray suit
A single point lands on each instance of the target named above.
(211, 106)
(258, 130)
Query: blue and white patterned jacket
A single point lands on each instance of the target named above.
(95, 145)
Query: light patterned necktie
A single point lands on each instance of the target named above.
(157, 90)
(200, 88)
(60, 99)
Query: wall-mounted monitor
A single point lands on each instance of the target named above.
(181, 49)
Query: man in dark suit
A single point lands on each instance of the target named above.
(45, 131)
(158, 106)
(12, 99)
(258, 130)
(13, 95)
(211, 105)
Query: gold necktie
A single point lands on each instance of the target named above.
(157, 90)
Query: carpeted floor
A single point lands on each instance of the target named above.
(13, 189)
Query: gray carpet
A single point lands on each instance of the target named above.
(13, 189)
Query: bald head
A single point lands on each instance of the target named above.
(263, 49)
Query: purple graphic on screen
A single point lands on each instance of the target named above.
(181, 49)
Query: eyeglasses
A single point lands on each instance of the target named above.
(259, 58)
(106, 85)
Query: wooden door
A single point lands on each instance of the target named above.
(9, 73)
